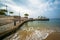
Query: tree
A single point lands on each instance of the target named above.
(11, 12)
(2, 11)
(26, 15)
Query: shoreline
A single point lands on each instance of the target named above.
(54, 36)
(28, 34)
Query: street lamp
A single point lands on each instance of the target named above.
(19, 18)
(7, 9)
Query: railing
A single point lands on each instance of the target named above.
(11, 30)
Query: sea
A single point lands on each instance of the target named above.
(37, 30)
(53, 24)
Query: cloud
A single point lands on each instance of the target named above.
(33, 7)
(12, 6)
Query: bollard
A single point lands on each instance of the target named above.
(14, 22)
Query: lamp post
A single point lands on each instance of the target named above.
(7, 9)
(19, 18)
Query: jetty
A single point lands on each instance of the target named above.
(38, 19)
(11, 29)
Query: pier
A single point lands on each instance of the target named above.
(38, 19)
(11, 29)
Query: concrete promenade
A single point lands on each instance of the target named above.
(9, 27)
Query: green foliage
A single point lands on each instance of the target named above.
(2, 11)
(11, 12)
(26, 14)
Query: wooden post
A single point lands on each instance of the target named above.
(14, 21)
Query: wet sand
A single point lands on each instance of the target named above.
(54, 36)
(35, 34)
(30, 35)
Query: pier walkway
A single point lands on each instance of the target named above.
(9, 28)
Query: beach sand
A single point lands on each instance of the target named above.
(35, 34)
(54, 36)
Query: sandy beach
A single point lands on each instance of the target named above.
(54, 36)
(35, 34)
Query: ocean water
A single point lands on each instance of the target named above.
(37, 30)
(53, 24)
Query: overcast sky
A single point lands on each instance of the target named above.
(35, 8)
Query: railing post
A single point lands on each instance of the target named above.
(14, 21)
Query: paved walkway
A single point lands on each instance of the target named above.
(8, 27)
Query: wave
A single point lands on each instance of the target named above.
(32, 34)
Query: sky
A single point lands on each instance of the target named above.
(35, 8)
